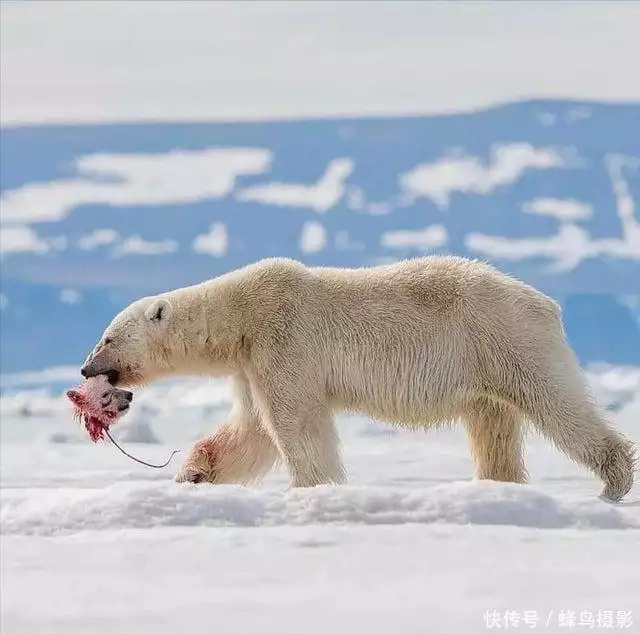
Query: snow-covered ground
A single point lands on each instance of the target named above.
(92, 542)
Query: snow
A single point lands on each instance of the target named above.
(423, 240)
(136, 245)
(547, 118)
(55, 374)
(631, 302)
(313, 237)
(98, 238)
(577, 114)
(626, 205)
(507, 164)
(22, 239)
(344, 242)
(562, 209)
(136, 432)
(233, 61)
(137, 427)
(149, 505)
(568, 247)
(572, 244)
(355, 197)
(380, 208)
(320, 197)
(94, 542)
(132, 245)
(214, 243)
(123, 180)
(70, 296)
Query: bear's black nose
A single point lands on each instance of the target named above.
(83, 371)
(129, 396)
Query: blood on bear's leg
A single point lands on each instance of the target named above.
(203, 462)
(234, 454)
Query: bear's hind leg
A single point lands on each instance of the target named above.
(547, 385)
(571, 421)
(495, 436)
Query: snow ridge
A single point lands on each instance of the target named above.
(146, 505)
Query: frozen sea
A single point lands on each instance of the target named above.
(94, 543)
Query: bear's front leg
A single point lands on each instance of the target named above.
(303, 430)
(235, 454)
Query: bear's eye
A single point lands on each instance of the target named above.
(104, 395)
(107, 341)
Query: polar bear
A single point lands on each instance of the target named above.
(417, 343)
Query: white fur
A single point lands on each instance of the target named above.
(420, 343)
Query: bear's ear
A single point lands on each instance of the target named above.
(159, 310)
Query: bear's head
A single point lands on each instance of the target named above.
(138, 346)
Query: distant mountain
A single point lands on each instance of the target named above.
(95, 216)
